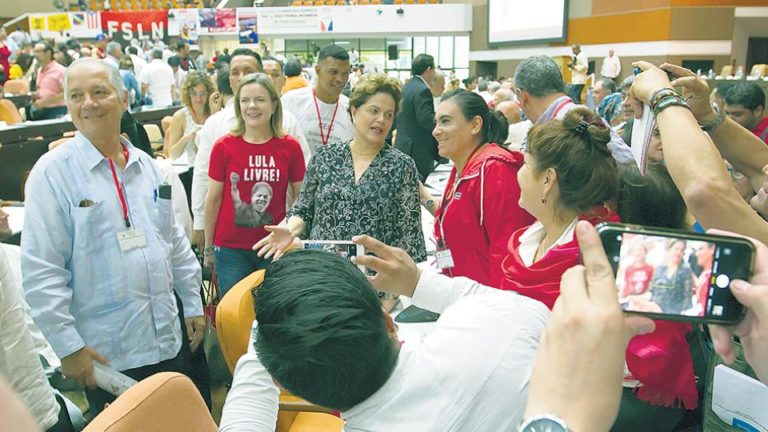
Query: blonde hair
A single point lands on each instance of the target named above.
(265, 81)
(192, 80)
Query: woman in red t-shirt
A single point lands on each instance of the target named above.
(250, 172)
(637, 276)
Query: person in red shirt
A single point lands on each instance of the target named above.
(745, 104)
(479, 209)
(638, 275)
(705, 254)
(250, 172)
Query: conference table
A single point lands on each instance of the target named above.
(20, 100)
(21, 145)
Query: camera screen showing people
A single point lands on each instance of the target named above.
(678, 276)
(344, 249)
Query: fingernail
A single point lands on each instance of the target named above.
(355, 238)
(740, 286)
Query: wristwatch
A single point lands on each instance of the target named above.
(429, 203)
(543, 423)
(714, 124)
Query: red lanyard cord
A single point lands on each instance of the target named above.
(324, 138)
(120, 195)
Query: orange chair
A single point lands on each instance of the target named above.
(16, 86)
(296, 3)
(9, 113)
(166, 401)
(234, 316)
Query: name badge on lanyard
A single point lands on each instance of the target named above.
(131, 239)
(444, 257)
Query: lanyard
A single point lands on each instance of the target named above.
(119, 189)
(324, 138)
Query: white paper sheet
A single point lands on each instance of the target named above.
(739, 400)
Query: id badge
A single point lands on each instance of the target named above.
(131, 239)
(444, 259)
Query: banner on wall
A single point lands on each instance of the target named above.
(36, 23)
(247, 23)
(184, 23)
(291, 20)
(59, 22)
(85, 24)
(126, 25)
(218, 21)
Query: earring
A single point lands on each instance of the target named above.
(543, 199)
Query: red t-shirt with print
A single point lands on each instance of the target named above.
(256, 178)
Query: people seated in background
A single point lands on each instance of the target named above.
(130, 82)
(608, 101)
(745, 104)
(503, 95)
(181, 137)
(541, 94)
(250, 172)
(139, 310)
(416, 120)
(49, 95)
(470, 373)
(114, 53)
(6, 51)
(359, 187)
(137, 60)
(22, 67)
(518, 128)
(483, 90)
(158, 81)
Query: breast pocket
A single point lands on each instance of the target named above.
(89, 228)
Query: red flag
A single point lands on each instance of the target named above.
(126, 25)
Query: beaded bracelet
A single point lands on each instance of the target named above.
(667, 102)
(659, 94)
(714, 124)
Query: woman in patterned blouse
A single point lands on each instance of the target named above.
(358, 187)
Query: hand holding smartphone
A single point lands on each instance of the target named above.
(677, 275)
(344, 249)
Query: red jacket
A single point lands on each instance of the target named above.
(476, 221)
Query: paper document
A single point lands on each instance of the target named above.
(15, 218)
(642, 132)
(739, 400)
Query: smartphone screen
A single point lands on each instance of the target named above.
(683, 276)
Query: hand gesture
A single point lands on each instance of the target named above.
(78, 366)
(275, 243)
(215, 102)
(646, 83)
(396, 273)
(579, 366)
(234, 178)
(695, 90)
(753, 329)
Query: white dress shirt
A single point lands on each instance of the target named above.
(84, 290)
(580, 67)
(301, 103)
(469, 374)
(218, 125)
(160, 80)
(611, 67)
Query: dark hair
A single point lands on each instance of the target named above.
(64, 50)
(333, 51)
(421, 63)
(471, 104)
(222, 81)
(24, 61)
(174, 61)
(371, 84)
(133, 50)
(47, 47)
(156, 53)
(608, 84)
(748, 94)
(180, 44)
(292, 67)
(126, 63)
(246, 52)
(576, 147)
(651, 199)
(73, 44)
(321, 331)
(468, 80)
(540, 76)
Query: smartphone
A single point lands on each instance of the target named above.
(414, 314)
(677, 275)
(344, 249)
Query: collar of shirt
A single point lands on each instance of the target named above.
(92, 156)
(550, 113)
(533, 236)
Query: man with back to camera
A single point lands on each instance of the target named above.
(417, 116)
(103, 259)
(243, 61)
(321, 109)
(745, 104)
(158, 82)
(541, 94)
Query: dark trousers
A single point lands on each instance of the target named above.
(192, 365)
(186, 180)
(575, 92)
(65, 423)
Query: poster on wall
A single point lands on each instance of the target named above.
(290, 20)
(85, 24)
(36, 23)
(247, 23)
(127, 25)
(184, 24)
(58, 22)
(218, 21)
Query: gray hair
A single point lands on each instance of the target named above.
(114, 77)
(540, 76)
(112, 46)
(627, 83)
(482, 85)
(608, 84)
(493, 86)
(504, 95)
(156, 53)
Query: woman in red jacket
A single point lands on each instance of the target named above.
(479, 209)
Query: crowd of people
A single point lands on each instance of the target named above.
(531, 333)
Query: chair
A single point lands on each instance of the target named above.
(758, 71)
(166, 401)
(16, 86)
(726, 71)
(155, 136)
(9, 113)
(234, 316)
